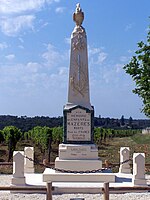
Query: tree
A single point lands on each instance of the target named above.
(57, 135)
(1, 136)
(42, 136)
(130, 122)
(11, 136)
(139, 69)
(49, 141)
(122, 121)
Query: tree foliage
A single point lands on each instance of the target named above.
(139, 69)
(1, 136)
(44, 136)
(25, 124)
(11, 136)
(102, 134)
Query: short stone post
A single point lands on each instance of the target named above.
(29, 165)
(124, 160)
(139, 169)
(18, 168)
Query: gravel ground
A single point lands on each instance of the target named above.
(5, 180)
(127, 196)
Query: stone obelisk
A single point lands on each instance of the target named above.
(78, 93)
(78, 112)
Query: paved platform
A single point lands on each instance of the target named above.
(122, 180)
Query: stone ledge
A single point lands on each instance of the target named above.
(50, 175)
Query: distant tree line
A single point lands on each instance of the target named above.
(121, 123)
(25, 123)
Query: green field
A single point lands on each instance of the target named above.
(108, 148)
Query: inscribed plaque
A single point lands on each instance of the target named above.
(78, 125)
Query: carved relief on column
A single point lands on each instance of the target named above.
(79, 80)
(79, 41)
(79, 77)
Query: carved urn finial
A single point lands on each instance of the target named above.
(78, 15)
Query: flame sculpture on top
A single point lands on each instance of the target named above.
(78, 16)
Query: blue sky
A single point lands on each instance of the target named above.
(35, 47)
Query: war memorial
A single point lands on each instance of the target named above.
(78, 152)
(78, 162)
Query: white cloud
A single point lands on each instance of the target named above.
(101, 57)
(21, 47)
(33, 66)
(10, 57)
(45, 24)
(93, 51)
(124, 58)
(16, 15)
(33, 78)
(103, 71)
(107, 77)
(130, 51)
(60, 9)
(128, 27)
(23, 75)
(20, 6)
(63, 71)
(97, 55)
(3, 45)
(21, 40)
(12, 26)
(67, 40)
(53, 57)
(59, 79)
(118, 68)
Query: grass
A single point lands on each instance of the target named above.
(141, 139)
(108, 150)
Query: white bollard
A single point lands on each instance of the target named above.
(18, 168)
(28, 164)
(124, 156)
(139, 169)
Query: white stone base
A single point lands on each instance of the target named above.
(18, 181)
(50, 175)
(78, 157)
(28, 169)
(78, 165)
(125, 170)
(139, 182)
(78, 151)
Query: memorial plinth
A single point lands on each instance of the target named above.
(78, 125)
(78, 151)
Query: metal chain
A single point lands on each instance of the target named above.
(72, 171)
(130, 159)
(65, 171)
